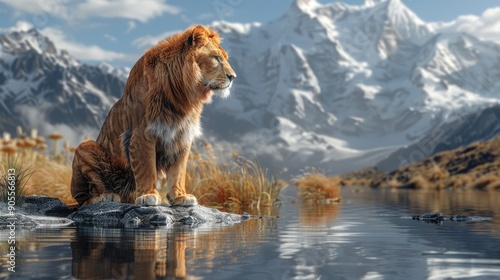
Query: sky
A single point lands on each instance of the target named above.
(119, 31)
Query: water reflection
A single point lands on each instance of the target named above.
(450, 202)
(368, 239)
(177, 252)
(313, 215)
(364, 237)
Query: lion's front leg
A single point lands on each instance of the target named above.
(143, 164)
(176, 182)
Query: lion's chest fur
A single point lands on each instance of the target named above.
(172, 139)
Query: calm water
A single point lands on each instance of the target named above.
(362, 238)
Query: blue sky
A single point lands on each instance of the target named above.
(116, 31)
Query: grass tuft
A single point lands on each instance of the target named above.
(317, 188)
(20, 177)
(236, 185)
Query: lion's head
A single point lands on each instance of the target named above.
(191, 66)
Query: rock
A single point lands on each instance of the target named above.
(41, 211)
(430, 217)
(125, 215)
(34, 213)
(438, 218)
(44, 205)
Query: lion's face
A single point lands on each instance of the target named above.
(191, 66)
(217, 74)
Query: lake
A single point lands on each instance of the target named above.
(370, 235)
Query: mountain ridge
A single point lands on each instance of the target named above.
(341, 87)
(334, 86)
(46, 88)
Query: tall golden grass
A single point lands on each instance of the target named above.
(237, 184)
(230, 182)
(317, 188)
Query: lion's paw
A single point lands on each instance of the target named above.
(105, 197)
(183, 200)
(148, 200)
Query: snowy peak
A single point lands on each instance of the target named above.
(341, 86)
(121, 73)
(300, 7)
(25, 38)
(41, 86)
(334, 86)
(408, 25)
(369, 3)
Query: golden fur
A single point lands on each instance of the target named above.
(149, 131)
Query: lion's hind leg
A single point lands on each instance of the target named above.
(87, 185)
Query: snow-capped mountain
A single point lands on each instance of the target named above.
(333, 86)
(474, 127)
(341, 87)
(46, 88)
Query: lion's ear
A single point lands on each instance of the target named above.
(198, 37)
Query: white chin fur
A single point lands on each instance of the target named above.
(223, 93)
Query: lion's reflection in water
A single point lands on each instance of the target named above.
(158, 253)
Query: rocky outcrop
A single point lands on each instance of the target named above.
(42, 211)
(133, 216)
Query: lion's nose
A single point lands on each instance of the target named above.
(231, 77)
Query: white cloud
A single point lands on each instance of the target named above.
(129, 9)
(40, 9)
(35, 6)
(20, 26)
(131, 26)
(81, 51)
(149, 41)
(486, 26)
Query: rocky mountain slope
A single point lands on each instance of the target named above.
(341, 87)
(45, 88)
(334, 86)
(475, 166)
(475, 127)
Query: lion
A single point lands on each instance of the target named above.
(149, 131)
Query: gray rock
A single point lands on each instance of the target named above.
(35, 212)
(125, 215)
(41, 211)
(438, 218)
(45, 206)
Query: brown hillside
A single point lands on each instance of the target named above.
(475, 166)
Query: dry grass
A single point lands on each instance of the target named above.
(19, 177)
(235, 185)
(317, 188)
(476, 166)
(484, 182)
(239, 184)
(418, 182)
(51, 178)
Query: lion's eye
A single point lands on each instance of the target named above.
(218, 58)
